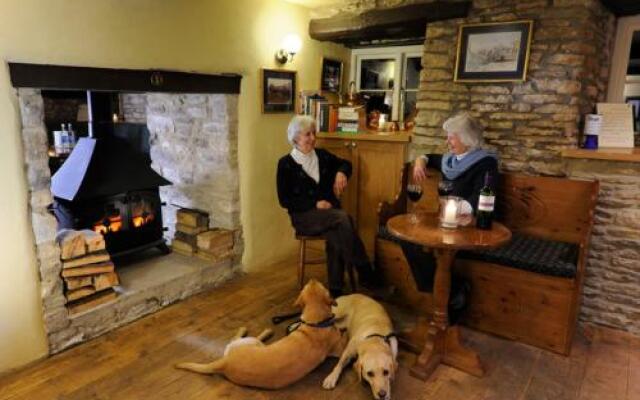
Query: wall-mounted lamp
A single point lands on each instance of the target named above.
(291, 44)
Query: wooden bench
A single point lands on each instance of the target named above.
(533, 303)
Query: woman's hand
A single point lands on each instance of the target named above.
(419, 170)
(339, 184)
(323, 205)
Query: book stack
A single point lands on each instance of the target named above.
(190, 223)
(87, 271)
(350, 119)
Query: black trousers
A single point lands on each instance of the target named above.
(422, 263)
(343, 245)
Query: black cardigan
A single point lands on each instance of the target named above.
(469, 183)
(298, 192)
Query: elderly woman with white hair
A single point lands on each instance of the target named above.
(310, 182)
(464, 166)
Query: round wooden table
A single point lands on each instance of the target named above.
(436, 341)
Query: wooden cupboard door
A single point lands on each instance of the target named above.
(379, 166)
(343, 149)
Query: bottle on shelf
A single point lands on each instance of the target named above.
(72, 137)
(64, 139)
(486, 205)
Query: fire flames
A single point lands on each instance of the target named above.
(114, 223)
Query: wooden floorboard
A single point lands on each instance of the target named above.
(136, 361)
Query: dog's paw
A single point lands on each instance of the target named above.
(330, 381)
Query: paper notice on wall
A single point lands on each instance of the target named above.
(617, 125)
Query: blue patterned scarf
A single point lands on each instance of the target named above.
(453, 168)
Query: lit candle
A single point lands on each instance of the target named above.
(450, 211)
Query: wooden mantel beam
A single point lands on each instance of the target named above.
(393, 23)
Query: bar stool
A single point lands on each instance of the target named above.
(302, 261)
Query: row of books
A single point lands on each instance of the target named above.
(330, 117)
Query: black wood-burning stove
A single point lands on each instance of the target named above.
(108, 187)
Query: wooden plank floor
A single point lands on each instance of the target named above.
(136, 361)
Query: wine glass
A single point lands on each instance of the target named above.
(414, 192)
(445, 188)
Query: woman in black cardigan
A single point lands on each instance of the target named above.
(310, 182)
(464, 166)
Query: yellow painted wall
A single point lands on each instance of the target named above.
(209, 36)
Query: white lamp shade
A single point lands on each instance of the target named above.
(291, 43)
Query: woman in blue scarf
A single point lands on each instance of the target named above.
(464, 167)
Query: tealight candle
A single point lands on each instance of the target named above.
(450, 219)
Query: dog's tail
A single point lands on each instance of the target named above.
(210, 368)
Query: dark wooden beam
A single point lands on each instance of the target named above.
(622, 8)
(129, 80)
(393, 23)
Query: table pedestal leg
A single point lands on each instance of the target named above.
(437, 342)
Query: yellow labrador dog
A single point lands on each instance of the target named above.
(249, 362)
(371, 340)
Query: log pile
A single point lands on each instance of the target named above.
(195, 238)
(87, 270)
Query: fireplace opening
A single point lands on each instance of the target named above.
(102, 178)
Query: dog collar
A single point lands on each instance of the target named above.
(386, 338)
(325, 323)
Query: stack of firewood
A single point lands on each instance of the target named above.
(194, 237)
(87, 270)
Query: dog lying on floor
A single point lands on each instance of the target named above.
(249, 362)
(371, 340)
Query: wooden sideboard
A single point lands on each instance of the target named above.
(377, 161)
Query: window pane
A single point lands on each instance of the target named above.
(379, 101)
(377, 74)
(412, 77)
(409, 107)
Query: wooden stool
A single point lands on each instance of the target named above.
(302, 261)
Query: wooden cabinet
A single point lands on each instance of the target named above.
(377, 162)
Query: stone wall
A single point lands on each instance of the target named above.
(133, 107)
(528, 123)
(612, 280)
(194, 142)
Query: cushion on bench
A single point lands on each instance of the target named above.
(529, 253)
(524, 252)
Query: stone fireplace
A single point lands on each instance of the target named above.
(193, 144)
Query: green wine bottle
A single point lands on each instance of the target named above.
(486, 205)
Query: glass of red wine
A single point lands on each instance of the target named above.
(414, 193)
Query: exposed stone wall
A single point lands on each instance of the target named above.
(194, 144)
(213, 121)
(612, 281)
(133, 107)
(528, 123)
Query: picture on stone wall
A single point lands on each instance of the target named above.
(331, 75)
(278, 90)
(493, 52)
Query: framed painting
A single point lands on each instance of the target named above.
(331, 75)
(278, 90)
(493, 52)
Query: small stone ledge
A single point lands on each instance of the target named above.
(609, 154)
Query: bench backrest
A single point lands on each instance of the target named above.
(547, 207)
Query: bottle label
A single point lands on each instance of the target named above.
(486, 203)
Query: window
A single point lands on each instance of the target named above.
(389, 77)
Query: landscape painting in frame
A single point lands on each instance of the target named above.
(278, 91)
(493, 52)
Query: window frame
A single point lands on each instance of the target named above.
(399, 54)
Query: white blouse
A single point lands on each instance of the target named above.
(309, 163)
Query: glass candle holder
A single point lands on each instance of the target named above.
(449, 211)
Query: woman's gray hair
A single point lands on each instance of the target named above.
(298, 125)
(468, 129)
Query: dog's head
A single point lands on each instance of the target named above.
(376, 365)
(315, 295)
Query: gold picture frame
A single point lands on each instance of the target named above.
(278, 90)
(493, 52)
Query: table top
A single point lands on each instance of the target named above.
(427, 233)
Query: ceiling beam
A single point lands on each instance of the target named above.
(392, 23)
(622, 8)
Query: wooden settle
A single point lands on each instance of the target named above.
(531, 307)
